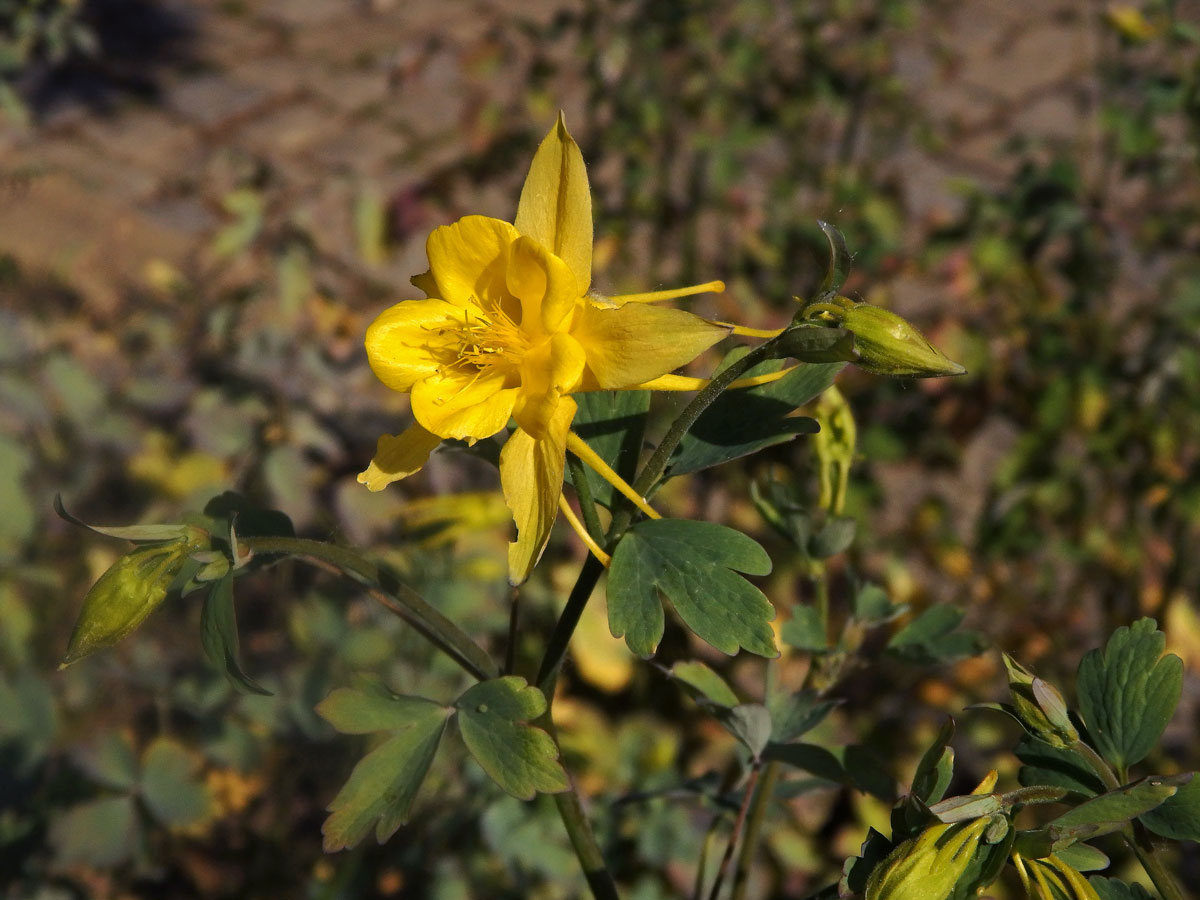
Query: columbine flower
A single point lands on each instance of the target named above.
(508, 330)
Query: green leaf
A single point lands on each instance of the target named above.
(932, 637)
(126, 532)
(694, 566)
(872, 605)
(835, 536)
(1128, 692)
(936, 767)
(1083, 858)
(251, 520)
(1178, 817)
(383, 785)
(1063, 767)
(792, 715)
(1114, 889)
(817, 345)
(857, 869)
(705, 683)
(132, 588)
(102, 833)
(493, 717)
(1112, 810)
(750, 723)
(745, 420)
(612, 423)
(174, 796)
(218, 633)
(111, 761)
(805, 631)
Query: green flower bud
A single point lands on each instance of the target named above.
(133, 587)
(886, 344)
(928, 866)
(1039, 706)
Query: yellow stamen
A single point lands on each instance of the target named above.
(749, 332)
(581, 448)
(715, 287)
(687, 383)
(569, 515)
(491, 338)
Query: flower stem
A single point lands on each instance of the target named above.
(1143, 848)
(735, 833)
(754, 825)
(389, 591)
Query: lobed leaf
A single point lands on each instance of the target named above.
(694, 565)
(1128, 692)
(493, 718)
(1178, 817)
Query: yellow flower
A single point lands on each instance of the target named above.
(508, 330)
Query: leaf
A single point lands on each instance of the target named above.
(102, 833)
(383, 785)
(705, 683)
(521, 758)
(612, 423)
(1112, 810)
(936, 767)
(857, 869)
(743, 421)
(111, 761)
(932, 637)
(132, 588)
(835, 536)
(252, 520)
(126, 532)
(694, 566)
(750, 723)
(792, 715)
(1178, 817)
(218, 633)
(1128, 692)
(872, 605)
(804, 630)
(817, 345)
(1083, 858)
(1046, 764)
(1114, 889)
(174, 796)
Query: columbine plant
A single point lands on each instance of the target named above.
(511, 335)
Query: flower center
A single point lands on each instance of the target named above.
(489, 337)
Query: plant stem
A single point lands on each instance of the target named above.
(587, 503)
(727, 858)
(586, 849)
(390, 592)
(1143, 847)
(754, 824)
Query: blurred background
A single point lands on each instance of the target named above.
(202, 206)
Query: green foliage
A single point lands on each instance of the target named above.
(694, 565)
(934, 637)
(1177, 817)
(218, 634)
(1128, 691)
(705, 683)
(494, 718)
(380, 791)
(612, 422)
(1114, 889)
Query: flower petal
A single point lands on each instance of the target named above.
(531, 474)
(543, 283)
(550, 372)
(404, 344)
(556, 203)
(636, 343)
(467, 259)
(398, 456)
(464, 403)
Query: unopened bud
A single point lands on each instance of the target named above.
(132, 588)
(889, 345)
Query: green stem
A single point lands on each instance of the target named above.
(735, 833)
(586, 849)
(1143, 847)
(754, 825)
(587, 503)
(391, 593)
(1097, 762)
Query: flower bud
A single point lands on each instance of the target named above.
(1039, 706)
(132, 588)
(928, 866)
(889, 345)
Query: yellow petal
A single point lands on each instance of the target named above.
(636, 343)
(403, 344)
(550, 372)
(556, 203)
(398, 456)
(467, 259)
(467, 405)
(543, 283)
(425, 283)
(531, 474)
